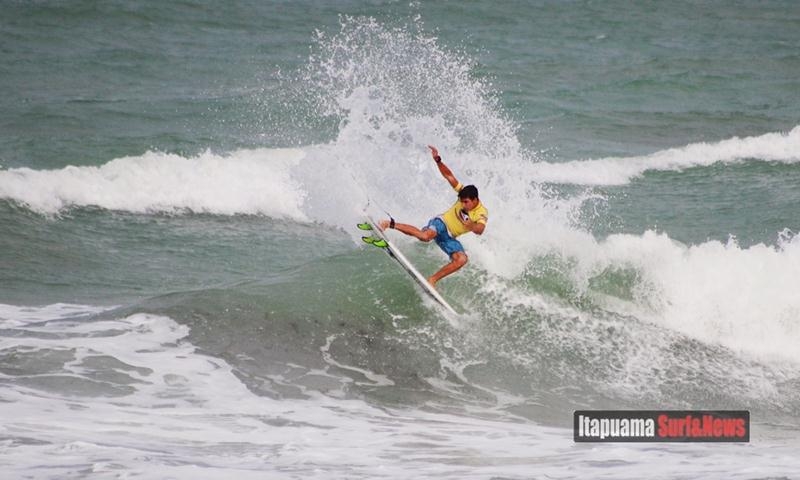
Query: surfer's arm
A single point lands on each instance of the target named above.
(446, 173)
(475, 227)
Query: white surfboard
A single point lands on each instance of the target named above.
(396, 254)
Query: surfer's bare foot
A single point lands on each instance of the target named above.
(383, 224)
(432, 282)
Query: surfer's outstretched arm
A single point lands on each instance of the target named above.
(446, 173)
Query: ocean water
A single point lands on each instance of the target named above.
(183, 293)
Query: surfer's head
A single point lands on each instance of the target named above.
(470, 191)
(469, 197)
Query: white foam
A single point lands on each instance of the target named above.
(719, 293)
(243, 182)
(13, 315)
(187, 415)
(770, 147)
(742, 298)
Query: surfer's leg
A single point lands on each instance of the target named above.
(457, 260)
(423, 235)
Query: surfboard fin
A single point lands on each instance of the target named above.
(375, 242)
(364, 226)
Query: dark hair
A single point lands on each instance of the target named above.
(470, 191)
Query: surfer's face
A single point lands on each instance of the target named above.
(469, 203)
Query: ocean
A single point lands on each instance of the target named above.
(184, 294)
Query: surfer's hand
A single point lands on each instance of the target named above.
(473, 227)
(434, 152)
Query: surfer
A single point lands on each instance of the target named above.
(466, 215)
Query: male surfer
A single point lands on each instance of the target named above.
(466, 215)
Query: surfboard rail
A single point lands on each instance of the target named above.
(398, 256)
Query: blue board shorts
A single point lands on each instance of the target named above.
(448, 244)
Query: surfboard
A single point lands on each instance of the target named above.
(390, 248)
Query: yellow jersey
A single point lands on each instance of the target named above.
(479, 214)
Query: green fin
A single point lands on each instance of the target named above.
(364, 226)
(377, 242)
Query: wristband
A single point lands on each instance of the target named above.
(438, 158)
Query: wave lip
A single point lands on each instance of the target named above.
(718, 293)
(770, 147)
(244, 182)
